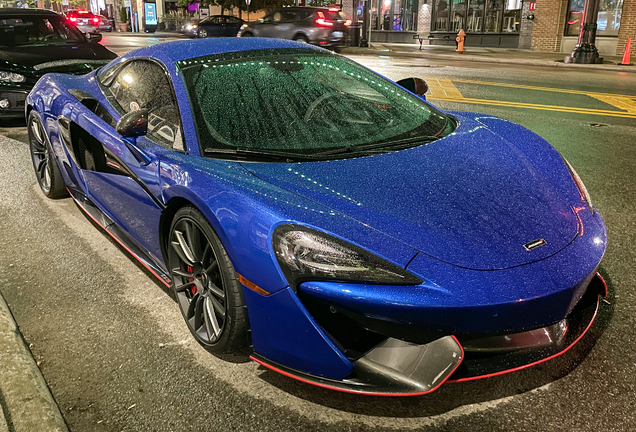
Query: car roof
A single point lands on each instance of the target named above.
(187, 49)
(21, 11)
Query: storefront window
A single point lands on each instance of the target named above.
(393, 15)
(512, 16)
(441, 16)
(475, 16)
(458, 14)
(608, 20)
(492, 20)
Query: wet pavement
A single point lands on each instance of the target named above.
(117, 356)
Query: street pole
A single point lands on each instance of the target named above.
(585, 51)
(366, 25)
(247, 2)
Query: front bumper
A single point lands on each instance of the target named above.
(16, 100)
(399, 368)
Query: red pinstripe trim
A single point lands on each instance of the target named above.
(533, 363)
(118, 241)
(598, 275)
(344, 390)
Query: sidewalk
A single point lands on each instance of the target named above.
(487, 55)
(26, 404)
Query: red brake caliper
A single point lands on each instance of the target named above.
(193, 289)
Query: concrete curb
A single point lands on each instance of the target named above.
(26, 401)
(473, 58)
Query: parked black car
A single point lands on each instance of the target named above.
(34, 42)
(215, 25)
(315, 25)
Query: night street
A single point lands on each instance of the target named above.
(112, 344)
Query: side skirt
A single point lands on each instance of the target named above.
(120, 236)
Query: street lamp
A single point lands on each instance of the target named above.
(585, 51)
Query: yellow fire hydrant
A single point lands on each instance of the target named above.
(461, 36)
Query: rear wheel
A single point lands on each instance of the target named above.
(301, 38)
(205, 284)
(202, 33)
(247, 34)
(46, 169)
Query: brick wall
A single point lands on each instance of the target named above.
(628, 27)
(549, 23)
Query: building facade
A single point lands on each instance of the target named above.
(542, 25)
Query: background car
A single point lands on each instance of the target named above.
(215, 25)
(34, 42)
(85, 21)
(318, 26)
(105, 25)
(324, 219)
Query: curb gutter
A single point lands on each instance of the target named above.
(26, 401)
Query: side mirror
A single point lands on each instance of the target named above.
(94, 37)
(414, 85)
(133, 124)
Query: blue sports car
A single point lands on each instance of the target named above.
(324, 219)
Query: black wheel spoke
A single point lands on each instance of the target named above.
(213, 321)
(182, 273)
(208, 326)
(192, 306)
(198, 312)
(216, 290)
(193, 239)
(41, 166)
(206, 253)
(218, 307)
(210, 270)
(182, 249)
(185, 286)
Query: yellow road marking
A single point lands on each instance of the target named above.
(620, 102)
(443, 87)
(536, 106)
(550, 89)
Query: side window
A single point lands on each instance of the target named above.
(144, 84)
(232, 20)
(215, 20)
(277, 17)
(290, 16)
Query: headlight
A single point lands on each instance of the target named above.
(579, 184)
(12, 77)
(307, 254)
(188, 27)
(243, 26)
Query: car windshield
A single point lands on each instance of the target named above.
(36, 30)
(302, 102)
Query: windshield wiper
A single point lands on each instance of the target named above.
(378, 146)
(253, 155)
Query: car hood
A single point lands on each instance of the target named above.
(472, 199)
(37, 57)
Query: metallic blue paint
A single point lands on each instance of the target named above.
(455, 212)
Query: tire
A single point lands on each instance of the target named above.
(202, 33)
(247, 34)
(205, 284)
(46, 170)
(301, 38)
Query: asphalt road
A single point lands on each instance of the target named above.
(118, 357)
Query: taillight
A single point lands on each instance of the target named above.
(347, 23)
(96, 20)
(73, 19)
(321, 21)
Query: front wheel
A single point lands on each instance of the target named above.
(301, 38)
(205, 284)
(202, 33)
(247, 34)
(46, 169)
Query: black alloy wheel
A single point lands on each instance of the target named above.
(202, 33)
(205, 284)
(247, 34)
(46, 169)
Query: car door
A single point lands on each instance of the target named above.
(233, 24)
(131, 194)
(268, 26)
(287, 26)
(216, 26)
